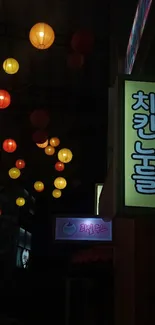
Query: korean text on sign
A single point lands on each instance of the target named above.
(144, 125)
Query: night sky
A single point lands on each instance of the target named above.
(77, 100)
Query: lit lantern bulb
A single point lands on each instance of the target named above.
(14, 173)
(59, 166)
(41, 36)
(42, 145)
(9, 145)
(60, 183)
(39, 186)
(56, 193)
(54, 142)
(20, 201)
(49, 150)
(11, 66)
(20, 163)
(65, 155)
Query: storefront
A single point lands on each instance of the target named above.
(129, 194)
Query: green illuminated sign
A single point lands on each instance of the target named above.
(139, 144)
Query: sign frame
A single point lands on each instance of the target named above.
(136, 34)
(130, 211)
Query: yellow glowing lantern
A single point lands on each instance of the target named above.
(42, 145)
(56, 193)
(60, 183)
(49, 150)
(39, 186)
(11, 66)
(41, 36)
(65, 155)
(14, 173)
(54, 142)
(20, 201)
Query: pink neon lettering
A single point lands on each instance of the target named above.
(97, 228)
(103, 228)
(82, 227)
(91, 229)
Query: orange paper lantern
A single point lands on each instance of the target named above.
(41, 36)
(9, 145)
(5, 99)
(49, 150)
(54, 142)
(20, 163)
(42, 145)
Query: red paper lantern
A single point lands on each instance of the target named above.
(39, 136)
(82, 42)
(54, 142)
(20, 163)
(75, 60)
(39, 118)
(5, 99)
(59, 166)
(9, 145)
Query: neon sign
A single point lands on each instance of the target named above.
(141, 15)
(90, 229)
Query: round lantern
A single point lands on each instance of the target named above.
(75, 60)
(9, 145)
(42, 145)
(56, 193)
(65, 155)
(39, 186)
(39, 136)
(59, 166)
(82, 42)
(60, 183)
(20, 163)
(39, 118)
(20, 201)
(11, 66)
(54, 142)
(41, 36)
(14, 173)
(5, 99)
(49, 150)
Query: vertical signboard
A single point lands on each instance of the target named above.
(139, 144)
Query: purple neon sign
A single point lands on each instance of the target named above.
(141, 15)
(81, 229)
